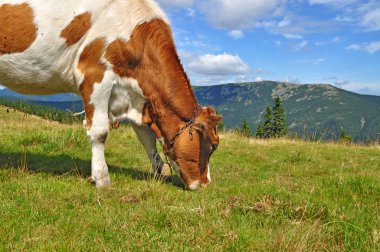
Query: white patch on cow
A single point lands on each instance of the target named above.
(100, 128)
(161, 141)
(194, 185)
(127, 101)
(208, 174)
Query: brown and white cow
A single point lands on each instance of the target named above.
(120, 57)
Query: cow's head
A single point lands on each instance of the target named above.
(192, 149)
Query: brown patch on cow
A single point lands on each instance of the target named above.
(93, 71)
(77, 28)
(17, 30)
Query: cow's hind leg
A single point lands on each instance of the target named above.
(97, 126)
(148, 140)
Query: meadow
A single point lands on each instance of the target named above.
(265, 195)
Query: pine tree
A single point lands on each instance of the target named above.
(268, 124)
(280, 128)
(260, 132)
(246, 129)
(345, 137)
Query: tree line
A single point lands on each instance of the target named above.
(44, 112)
(274, 124)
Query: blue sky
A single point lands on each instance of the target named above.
(301, 41)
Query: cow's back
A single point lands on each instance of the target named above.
(41, 41)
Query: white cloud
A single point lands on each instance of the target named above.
(289, 79)
(316, 61)
(176, 3)
(236, 14)
(258, 79)
(368, 47)
(302, 46)
(371, 20)
(222, 65)
(292, 36)
(284, 22)
(364, 15)
(191, 12)
(341, 82)
(236, 34)
(265, 24)
(332, 2)
(334, 40)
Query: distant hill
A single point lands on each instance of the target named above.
(313, 110)
(51, 98)
(70, 102)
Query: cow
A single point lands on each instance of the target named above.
(119, 56)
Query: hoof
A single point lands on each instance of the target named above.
(101, 183)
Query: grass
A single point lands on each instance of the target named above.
(266, 195)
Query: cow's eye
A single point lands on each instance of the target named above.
(213, 147)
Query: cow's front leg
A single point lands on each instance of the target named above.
(97, 126)
(99, 168)
(98, 133)
(148, 140)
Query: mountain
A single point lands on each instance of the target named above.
(320, 110)
(49, 98)
(66, 101)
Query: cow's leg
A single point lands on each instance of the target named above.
(148, 140)
(97, 126)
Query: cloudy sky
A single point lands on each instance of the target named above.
(301, 41)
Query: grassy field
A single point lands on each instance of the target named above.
(275, 195)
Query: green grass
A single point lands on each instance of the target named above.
(275, 195)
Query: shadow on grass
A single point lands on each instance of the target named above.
(66, 165)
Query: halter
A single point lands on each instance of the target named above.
(190, 124)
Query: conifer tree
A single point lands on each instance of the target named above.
(246, 129)
(268, 123)
(280, 128)
(260, 132)
(345, 137)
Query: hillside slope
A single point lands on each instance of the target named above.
(320, 110)
(275, 195)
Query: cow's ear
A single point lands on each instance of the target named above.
(215, 119)
(212, 118)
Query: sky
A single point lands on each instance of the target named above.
(300, 41)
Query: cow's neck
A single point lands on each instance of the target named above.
(173, 103)
(169, 93)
